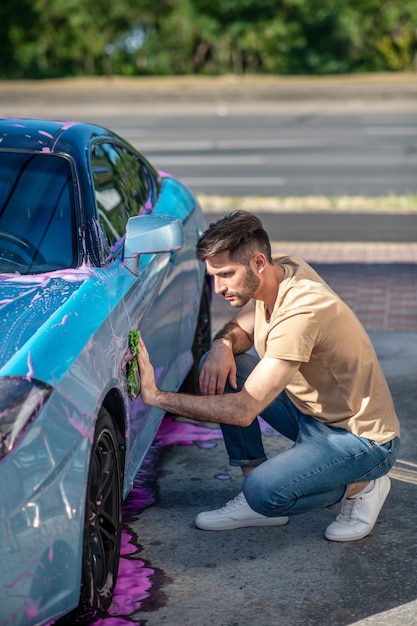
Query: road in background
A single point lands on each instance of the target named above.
(250, 135)
(330, 227)
(371, 154)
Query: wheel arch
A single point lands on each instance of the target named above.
(113, 403)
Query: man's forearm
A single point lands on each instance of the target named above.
(219, 409)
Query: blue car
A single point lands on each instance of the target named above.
(95, 246)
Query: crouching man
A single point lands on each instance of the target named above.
(315, 378)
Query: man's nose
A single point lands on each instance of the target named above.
(219, 286)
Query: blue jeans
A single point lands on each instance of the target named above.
(315, 471)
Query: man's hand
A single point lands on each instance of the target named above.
(148, 388)
(235, 337)
(218, 367)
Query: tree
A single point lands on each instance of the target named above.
(17, 19)
(48, 38)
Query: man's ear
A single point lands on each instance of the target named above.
(260, 261)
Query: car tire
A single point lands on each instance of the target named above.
(103, 523)
(202, 339)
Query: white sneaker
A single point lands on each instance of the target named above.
(359, 514)
(236, 514)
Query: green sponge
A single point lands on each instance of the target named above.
(133, 383)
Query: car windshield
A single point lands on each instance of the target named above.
(37, 215)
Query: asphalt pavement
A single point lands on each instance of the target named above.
(359, 227)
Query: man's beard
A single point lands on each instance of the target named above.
(246, 292)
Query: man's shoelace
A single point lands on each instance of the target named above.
(348, 509)
(235, 503)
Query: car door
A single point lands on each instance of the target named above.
(152, 301)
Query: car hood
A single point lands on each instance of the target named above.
(34, 311)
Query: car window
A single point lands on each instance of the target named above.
(123, 188)
(37, 214)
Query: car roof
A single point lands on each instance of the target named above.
(42, 135)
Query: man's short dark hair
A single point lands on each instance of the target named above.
(240, 233)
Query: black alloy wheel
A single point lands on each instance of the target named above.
(103, 523)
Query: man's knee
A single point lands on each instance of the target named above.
(245, 363)
(264, 498)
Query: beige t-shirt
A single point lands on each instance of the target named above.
(340, 381)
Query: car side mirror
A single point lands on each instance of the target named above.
(150, 234)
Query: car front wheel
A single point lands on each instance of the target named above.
(103, 522)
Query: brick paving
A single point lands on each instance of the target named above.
(378, 281)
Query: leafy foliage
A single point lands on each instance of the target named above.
(48, 38)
